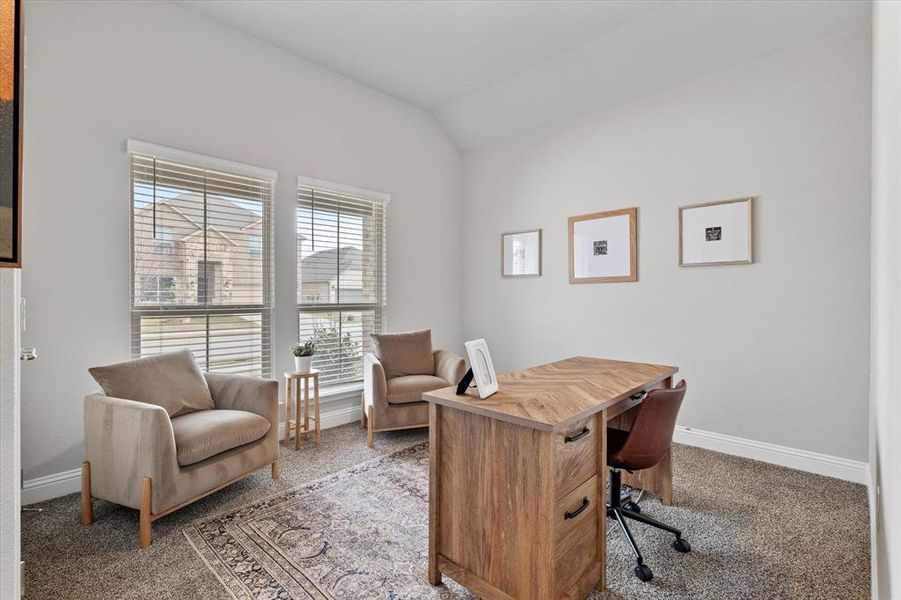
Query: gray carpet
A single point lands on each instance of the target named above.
(757, 531)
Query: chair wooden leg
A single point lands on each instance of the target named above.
(276, 470)
(87, 502)
(363, 415)
(370, 436)
(146, 495)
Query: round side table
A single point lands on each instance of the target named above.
(302, 422)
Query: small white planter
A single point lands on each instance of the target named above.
(302, 364)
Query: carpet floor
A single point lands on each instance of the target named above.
(757, 531)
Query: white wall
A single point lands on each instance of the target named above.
(885, 392)
(101, 72)
(776, 351)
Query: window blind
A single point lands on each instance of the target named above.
(201, 264)
(341, 275)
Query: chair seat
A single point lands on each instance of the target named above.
(205, 433)
(410, 388)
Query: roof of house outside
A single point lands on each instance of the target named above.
(222, 214)
(320, 266)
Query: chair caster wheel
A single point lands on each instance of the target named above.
(682, 546)
(632, 507)
(644, 572)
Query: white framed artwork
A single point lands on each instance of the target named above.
(482, 367)
(603, 247)
(716, 233)
(521, 254)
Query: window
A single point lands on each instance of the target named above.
(340, 274)
(157, 289)
(201, 259)
(256, 246)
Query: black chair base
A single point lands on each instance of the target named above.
(620, 512)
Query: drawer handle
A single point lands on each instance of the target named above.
(639, 395)
(578, 511)
(575, 438)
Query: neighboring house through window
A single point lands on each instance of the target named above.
(201, 259)
(164, 240)
(157, 289)
(341, 284)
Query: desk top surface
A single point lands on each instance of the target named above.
(554, 396)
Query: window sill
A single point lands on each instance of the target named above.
(335, 393)
(340, 390)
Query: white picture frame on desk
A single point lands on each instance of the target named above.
(482, 367)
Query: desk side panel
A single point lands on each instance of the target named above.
(496, 502)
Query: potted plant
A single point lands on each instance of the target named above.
(303, 355)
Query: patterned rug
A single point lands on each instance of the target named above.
(362, 532)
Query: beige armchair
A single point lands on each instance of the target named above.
(402, 367)
(163, 435)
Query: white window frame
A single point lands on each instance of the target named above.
(203, 161)
(364, 194)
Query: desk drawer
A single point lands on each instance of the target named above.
(576, 456)
(576, 535)
(572, 565)
(576, 513)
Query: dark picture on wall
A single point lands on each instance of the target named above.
(714, 234)
(10, 132)
(600, 248)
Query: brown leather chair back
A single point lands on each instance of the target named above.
(652, 430)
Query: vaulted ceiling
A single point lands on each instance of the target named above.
(491, 69)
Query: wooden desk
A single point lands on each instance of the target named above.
(518, 480)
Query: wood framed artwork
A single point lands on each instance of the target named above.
(603, 247)
(11, 48)
(521, 254)
(717, 233)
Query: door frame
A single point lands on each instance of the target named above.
(10, 436)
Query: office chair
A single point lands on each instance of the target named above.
(642, 447)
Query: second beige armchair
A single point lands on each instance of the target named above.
(400, 369)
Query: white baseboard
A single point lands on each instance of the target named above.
(802, 460)
(52, 486)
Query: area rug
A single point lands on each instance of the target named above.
(360, 533)
(363, 533)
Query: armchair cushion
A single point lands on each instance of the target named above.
(172, 381)
(205, 433)
(410, 388)
(405, 353)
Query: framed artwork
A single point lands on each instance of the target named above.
(603, 247)
(482, 367)
(716, 233)
(521, 254)
(11, 47)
